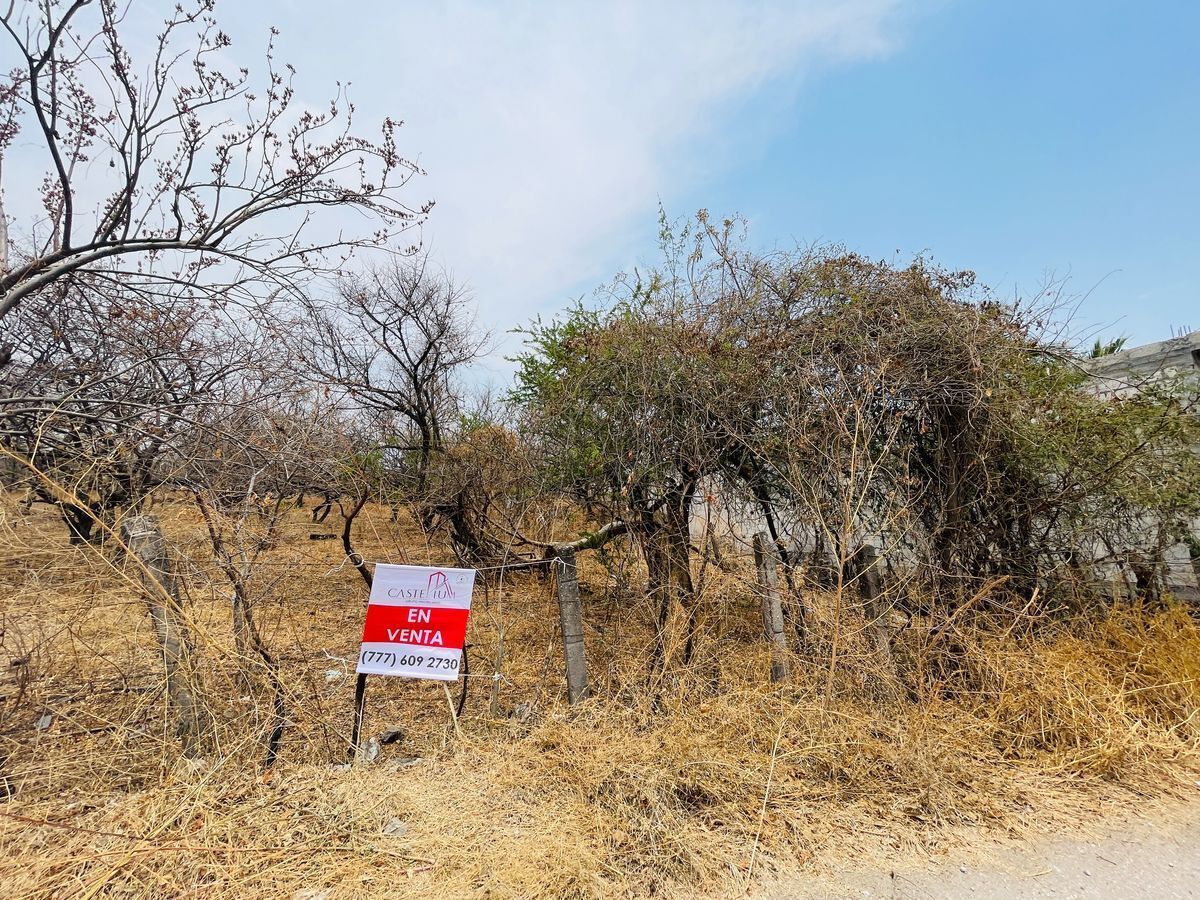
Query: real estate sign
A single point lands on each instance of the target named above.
(416, 622)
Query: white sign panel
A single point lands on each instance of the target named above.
(416, 622)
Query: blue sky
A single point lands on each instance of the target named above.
(1023, 140)
(1015, 139)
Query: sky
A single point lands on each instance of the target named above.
(1024, 140)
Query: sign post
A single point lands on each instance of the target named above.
(415, 627)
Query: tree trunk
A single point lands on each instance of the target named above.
(666, 544)
(251, 648)
(714, 551)
(348, 517)
(247, 640)
(241, 629)
(144, 538)
(80, 522)
(426, 455)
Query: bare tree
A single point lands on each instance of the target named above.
(99, 386)
(181, 203)
(174, 170)
(244, 476)
(392, 345)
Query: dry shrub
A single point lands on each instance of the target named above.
(1114, 698)
(720, 778)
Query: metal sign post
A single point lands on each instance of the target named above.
(360, 703)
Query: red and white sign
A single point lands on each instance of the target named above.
(416, 622)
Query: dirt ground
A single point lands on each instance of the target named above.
(1152, 855)
(701, 785)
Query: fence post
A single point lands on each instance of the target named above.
(156, 571)
(869, 570)
(772, 605)
(570, 617)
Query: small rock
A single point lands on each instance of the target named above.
(371, 752)
(391, 736)
(332, 675)
(405, 762)
(395, 827)
(45, 721)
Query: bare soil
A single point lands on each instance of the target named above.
(1155, 854)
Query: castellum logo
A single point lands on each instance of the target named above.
(439, 582)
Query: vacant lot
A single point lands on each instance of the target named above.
(712, 780)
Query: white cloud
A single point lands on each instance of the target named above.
(547, 136)
(550, 130)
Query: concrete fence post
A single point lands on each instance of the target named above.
(570, 616)
(156, 572)
(868, 569)
(772, 605)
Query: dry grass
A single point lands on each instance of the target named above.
(721, 781)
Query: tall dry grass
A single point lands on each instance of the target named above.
(707, 782)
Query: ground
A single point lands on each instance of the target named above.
(706, 782)
(1155, 856)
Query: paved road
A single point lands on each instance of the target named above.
(1160, 862)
